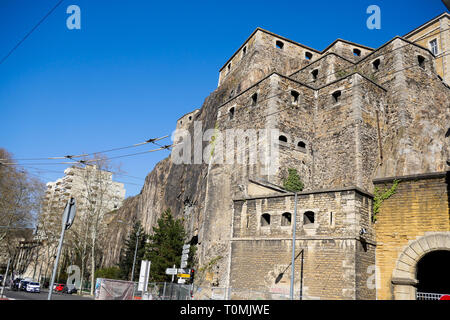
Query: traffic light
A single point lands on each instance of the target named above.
(192, 274)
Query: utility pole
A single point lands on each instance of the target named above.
(291, 295)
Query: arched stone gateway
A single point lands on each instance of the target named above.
(404, 276)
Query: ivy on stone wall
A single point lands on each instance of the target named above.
(380, 196)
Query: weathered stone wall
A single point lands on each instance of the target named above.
(328, 69)
(345, 49)
(436, 30)
(185, 121)
(333, 265)
(262, 57)
(420, 205)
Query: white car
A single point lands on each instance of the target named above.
(33, 287)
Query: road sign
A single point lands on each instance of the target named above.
(185, 255)
(184, 275)
(183, 271)
(69, 214)
(171, 271)
(181, 280)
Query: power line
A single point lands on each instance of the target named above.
(60, 172)
(70, 157)
(126, 155)
(54, 171)
(49, 179)
(30, 32)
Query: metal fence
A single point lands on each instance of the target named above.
(227, 293)
(176, 291)
(165, 291)
(428, 296)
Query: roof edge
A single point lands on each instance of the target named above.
(444, 14)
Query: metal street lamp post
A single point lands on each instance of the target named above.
(68, 217)
(135, 249)
(293, 249)
(135, 253)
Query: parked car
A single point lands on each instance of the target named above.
(70, 288)
(58, 287)
(23, 285)
(33, 287)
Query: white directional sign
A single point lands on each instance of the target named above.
(186, 248)
(185, 255)
(171, 271)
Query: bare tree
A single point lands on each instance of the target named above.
(99, 198)
(20, 201)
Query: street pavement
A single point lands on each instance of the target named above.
(43, 295)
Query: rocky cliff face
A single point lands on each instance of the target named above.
(181, 188)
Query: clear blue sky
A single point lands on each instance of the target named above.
(136, 66)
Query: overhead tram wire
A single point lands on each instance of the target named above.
(39, 170)
(91, 160)
(70, 157)
(49, 179)
(127, 155)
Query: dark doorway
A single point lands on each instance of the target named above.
(433, 272)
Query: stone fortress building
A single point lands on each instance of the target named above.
(353, 121)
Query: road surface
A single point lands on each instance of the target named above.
(43, 295)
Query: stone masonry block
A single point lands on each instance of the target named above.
(412, 254)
